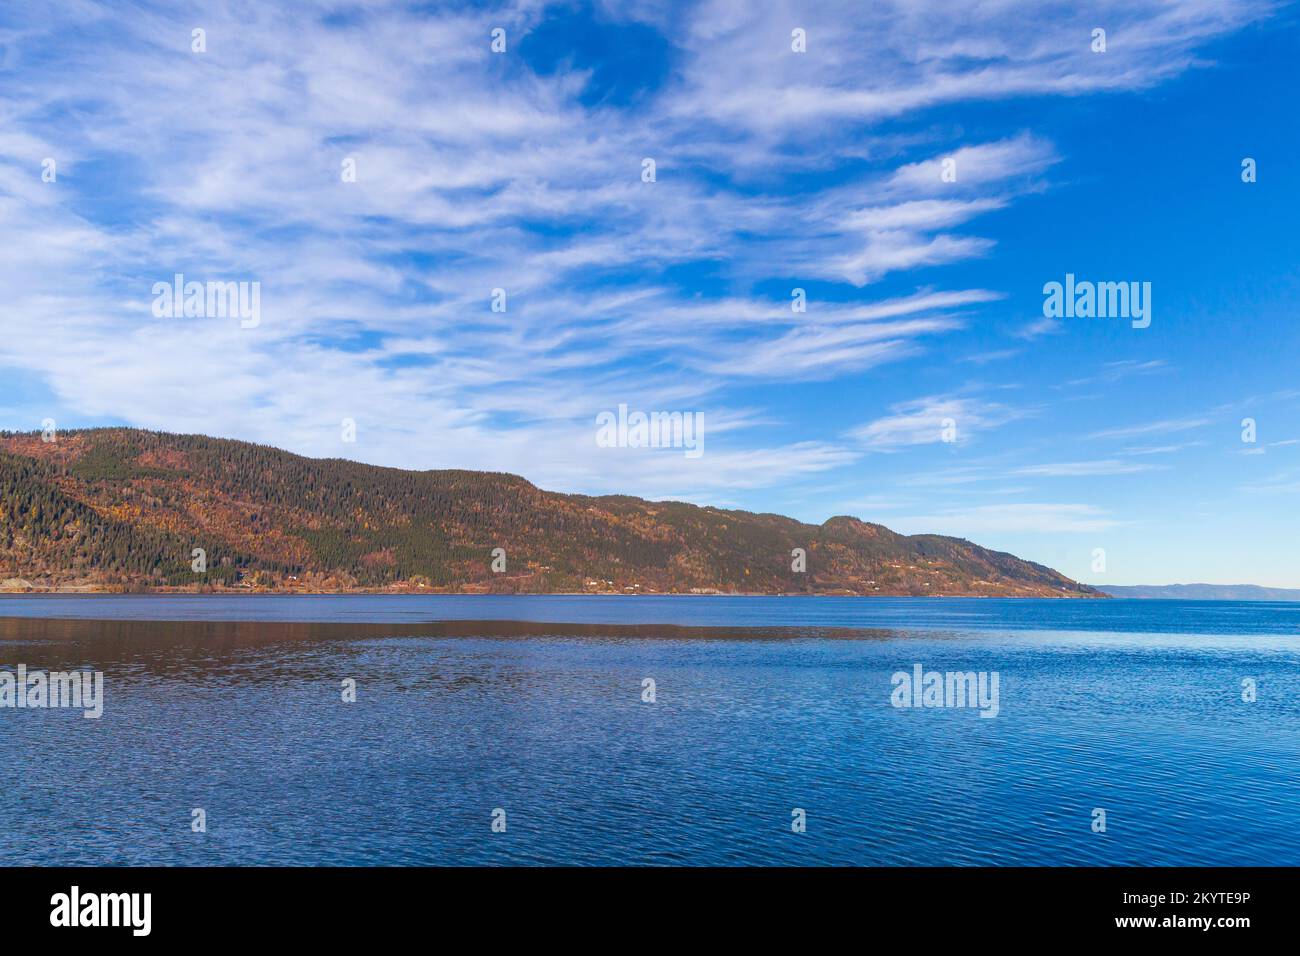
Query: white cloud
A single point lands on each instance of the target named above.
(1077, 469)
(1039, 328)
(922, 421)
(475, 173)
(887, 252)
(870, 62)
(1028, 517)
(1161, 449)
(1112, 372)
(1162, 427)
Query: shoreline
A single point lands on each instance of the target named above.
(233, 592)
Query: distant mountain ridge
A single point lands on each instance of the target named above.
(125, 509)
(1202, 592)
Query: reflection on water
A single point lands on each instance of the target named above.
(254, 651)
(453, 719)
(1051, 614)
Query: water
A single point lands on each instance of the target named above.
(534, 705)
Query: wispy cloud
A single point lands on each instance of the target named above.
(925, 420)
(1029, 517)
(1112, 372)
(1038, 328)
(1161, 449)
(476, 172)
(984, 358)
(1166, 426)
(907, 55)
(1078, 469)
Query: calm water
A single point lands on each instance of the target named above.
(534, 705)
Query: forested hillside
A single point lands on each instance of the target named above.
(122, 509)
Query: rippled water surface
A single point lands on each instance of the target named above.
(534, 705)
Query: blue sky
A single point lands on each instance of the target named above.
(775, 170)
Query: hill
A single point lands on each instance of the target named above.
(124, 509)
(1203, 592)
